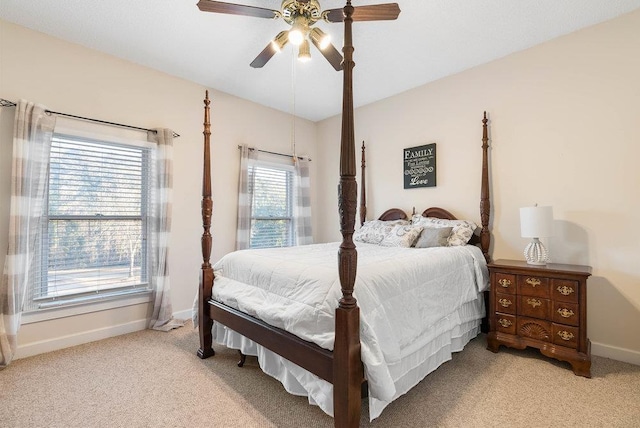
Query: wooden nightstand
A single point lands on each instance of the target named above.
(544, 307)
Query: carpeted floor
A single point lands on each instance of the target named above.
(154, 379)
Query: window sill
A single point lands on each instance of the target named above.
(85, 308)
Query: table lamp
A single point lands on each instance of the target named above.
(536, 222)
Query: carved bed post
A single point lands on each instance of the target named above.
(347, 365)
(485, 204)
(206, 275)
(363, 190)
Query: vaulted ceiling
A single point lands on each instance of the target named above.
(431, 39)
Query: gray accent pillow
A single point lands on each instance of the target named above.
(434, 237)
(462, 229)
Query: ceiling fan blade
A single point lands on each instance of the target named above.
(264, 56)
(236, 9)
(331, 54)
(375, 12)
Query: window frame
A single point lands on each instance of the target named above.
(273, 164)
(40, 308)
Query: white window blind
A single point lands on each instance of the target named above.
(95, 234)
(272, 207)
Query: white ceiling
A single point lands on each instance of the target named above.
(430, 39)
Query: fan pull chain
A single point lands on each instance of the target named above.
(293, 105)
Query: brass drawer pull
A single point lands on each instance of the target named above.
(505, 303)
(534, 302)
(505, 282)
(565, 335)
(505, 323)
(533, 281)
(565, 291)
(565, 313)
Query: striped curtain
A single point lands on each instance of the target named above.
(302, 204)
(245, 198)
(32, 134)
(162, 315)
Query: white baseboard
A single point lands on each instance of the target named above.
(615, 353)
(56, 343)
(183, 315)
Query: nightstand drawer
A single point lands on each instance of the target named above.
(505, 283)
(506, 323)
(506, 303)
(564, 290)
(529, 285)
(564, 335)
(565, 313)
(534, 328)
(535, 307)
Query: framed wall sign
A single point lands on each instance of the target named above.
(419, 166)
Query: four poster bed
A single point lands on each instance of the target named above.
(297, 310)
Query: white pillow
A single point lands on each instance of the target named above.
(401, 236)
(374, 231)
(460, 234)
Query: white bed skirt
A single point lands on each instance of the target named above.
(449, 335)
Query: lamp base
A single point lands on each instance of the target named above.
(535, 253)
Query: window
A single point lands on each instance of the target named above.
(94, 242)
(272, 206)
(274, 203)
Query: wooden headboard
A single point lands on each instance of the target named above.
(436, 212)
(393, 214)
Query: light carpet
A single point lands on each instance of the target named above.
(154, 379)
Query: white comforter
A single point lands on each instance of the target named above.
(402, 293)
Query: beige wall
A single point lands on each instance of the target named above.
(72, 79)
(564, 132)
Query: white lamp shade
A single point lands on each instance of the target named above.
(536, 222)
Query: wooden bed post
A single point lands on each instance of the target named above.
(347, 364)
(205, 323)
(363, 190)
(485, 204)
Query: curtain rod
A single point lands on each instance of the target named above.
(274, 153)
(7, 103)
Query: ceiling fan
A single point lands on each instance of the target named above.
(302, 16)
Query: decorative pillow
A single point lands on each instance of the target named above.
(401, 236)
(374, 231)
(433, 237)
(460, 234)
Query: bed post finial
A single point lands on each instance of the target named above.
(485, 204)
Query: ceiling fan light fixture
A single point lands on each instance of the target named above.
(320, 38)
(280, 40)
(304, 51)
(296, 37)
(298, 31)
